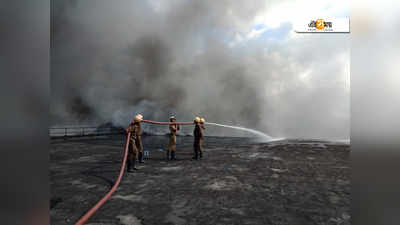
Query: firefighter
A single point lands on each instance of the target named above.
(173, 128)
(134, 141)
(139, 143)
(198, 135)
(202, 121)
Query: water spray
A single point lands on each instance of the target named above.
(256, 132)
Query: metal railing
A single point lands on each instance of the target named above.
(80, 131)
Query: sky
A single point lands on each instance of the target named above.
(238, 63)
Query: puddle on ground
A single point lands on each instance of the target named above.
(129, 220)
(227, 183)
(172, 168)
(83, 185)
(132, 198)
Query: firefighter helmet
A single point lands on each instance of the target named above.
(138, 118)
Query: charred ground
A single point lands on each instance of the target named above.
(290, 182)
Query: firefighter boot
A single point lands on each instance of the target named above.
(168, 151)
(195, 157)
(133, 165)
(129, 166)
(173, 155)
(141, 157)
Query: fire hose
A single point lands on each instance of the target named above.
(167, 123)
(87, 215)
(100, 203)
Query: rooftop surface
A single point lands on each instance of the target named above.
(289, 182)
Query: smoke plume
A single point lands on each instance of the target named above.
(111, 60)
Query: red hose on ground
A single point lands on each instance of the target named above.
(100, 203)
(89, 213)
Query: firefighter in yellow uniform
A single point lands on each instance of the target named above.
(173, 128)
(202, 121)
(135, 142)
(198, 135)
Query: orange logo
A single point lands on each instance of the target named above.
(320, 24)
